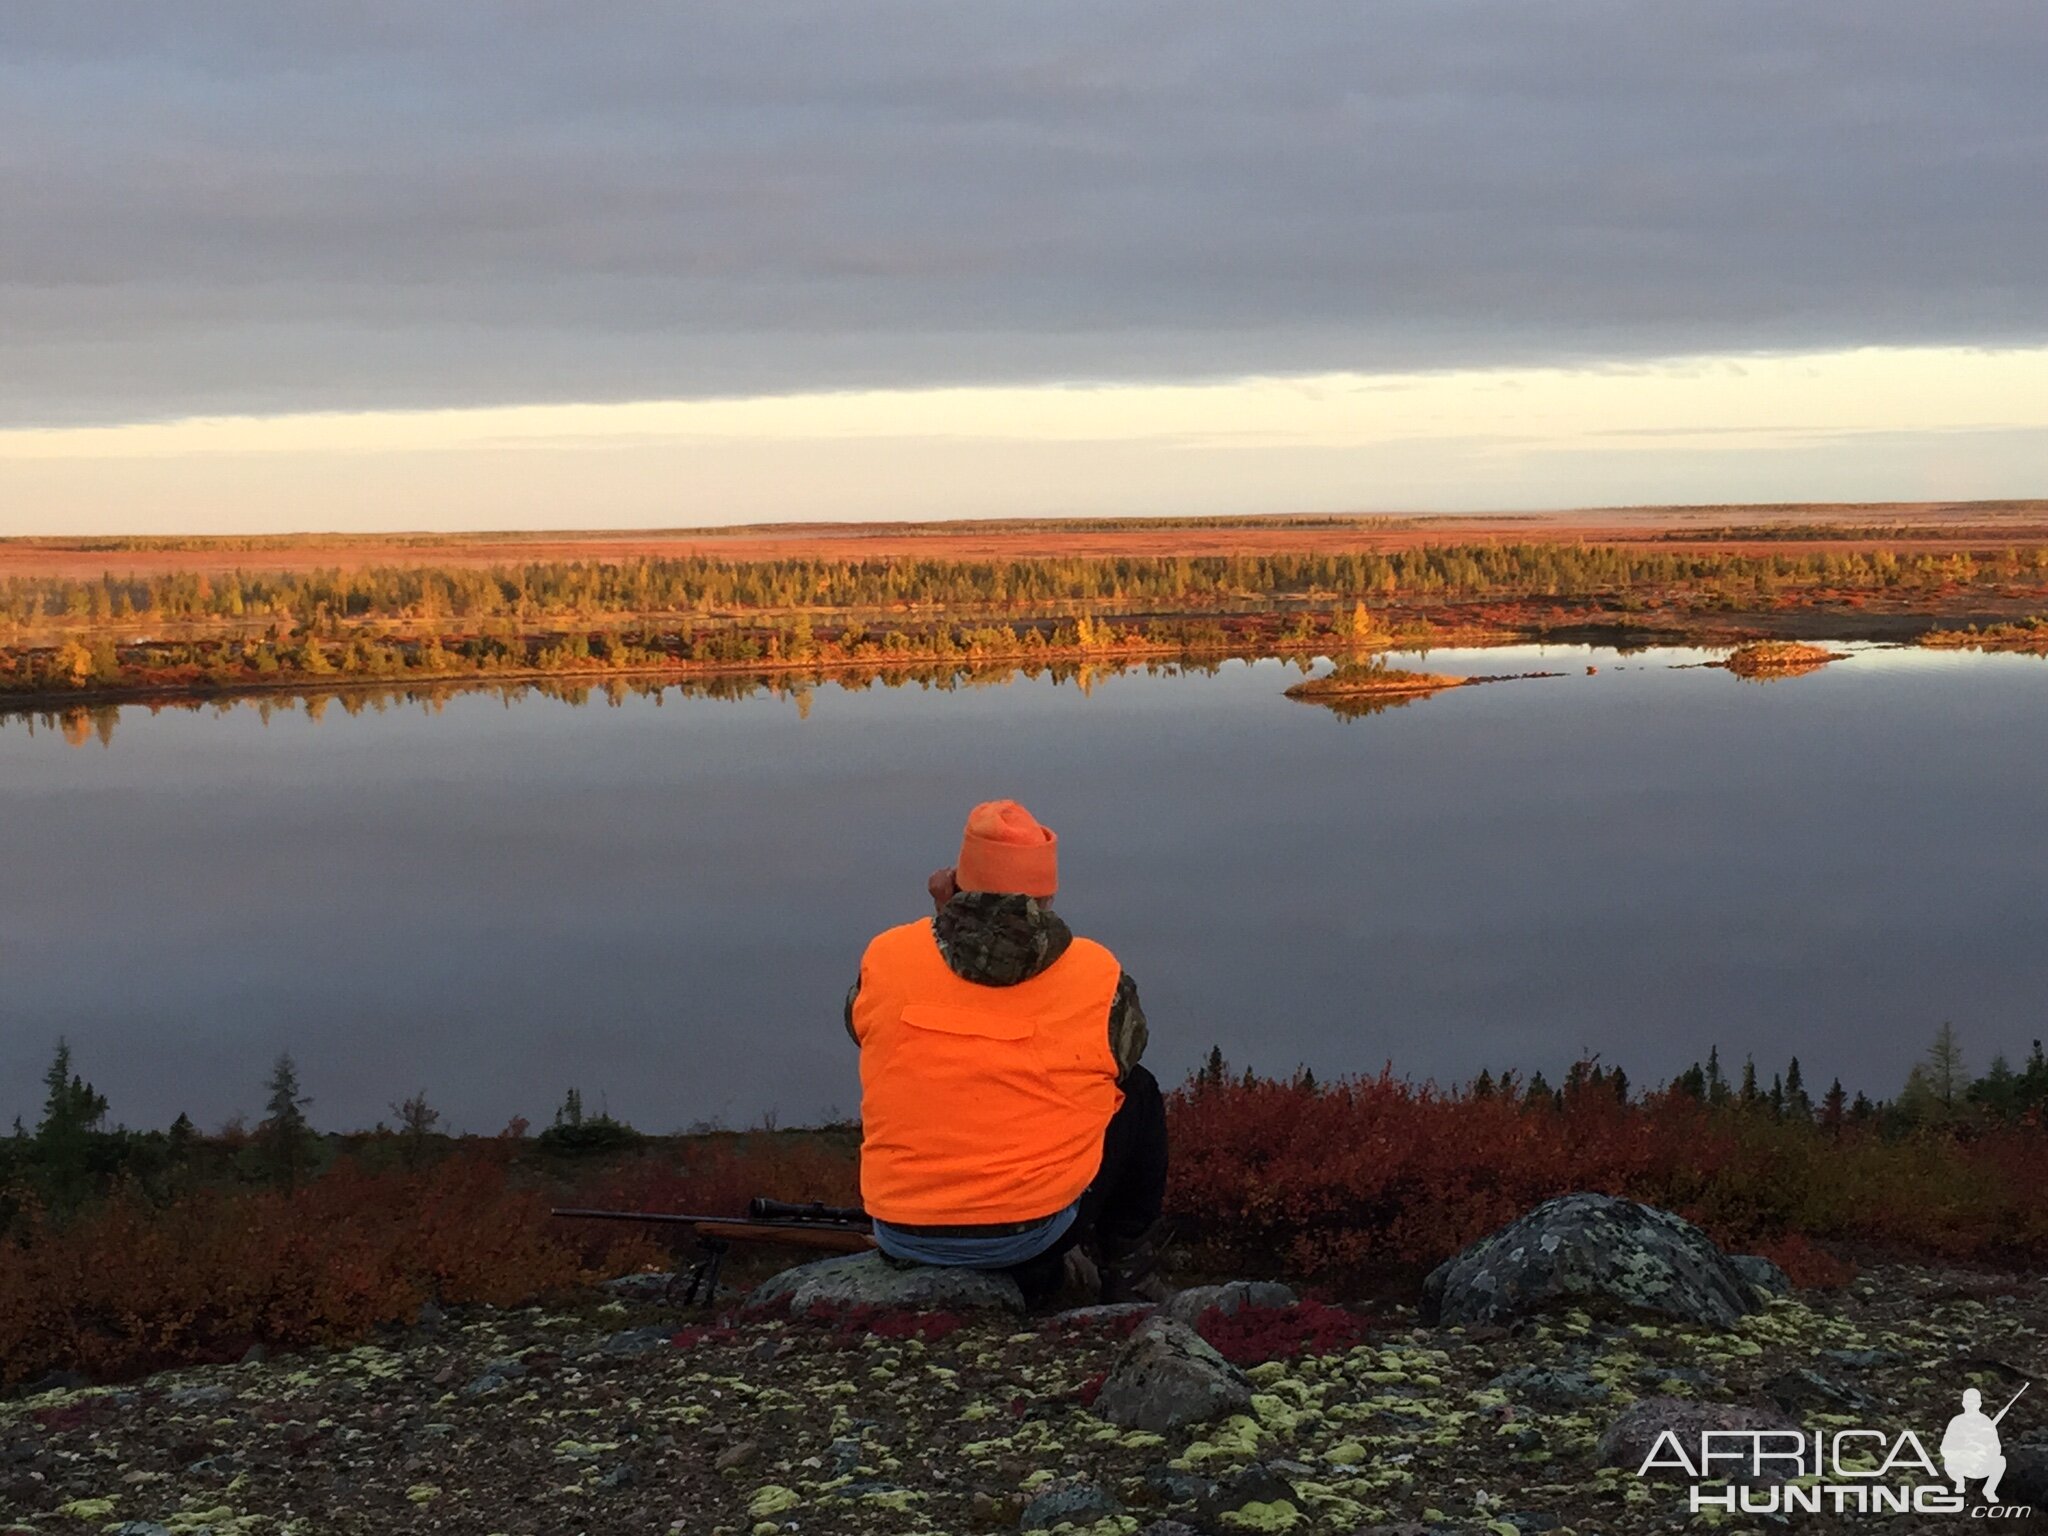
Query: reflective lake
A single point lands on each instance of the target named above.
(663, 902)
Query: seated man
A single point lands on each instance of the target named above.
(1005, 1120)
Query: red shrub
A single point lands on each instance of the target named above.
(1254, 1335)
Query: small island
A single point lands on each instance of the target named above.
(1372, 680)
(2028, 634)
(1777, 658)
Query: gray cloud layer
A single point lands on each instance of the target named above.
(246, 206)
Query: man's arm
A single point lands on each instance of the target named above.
(851, 993)
(1127, 1033)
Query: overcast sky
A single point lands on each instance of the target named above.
(252, 210)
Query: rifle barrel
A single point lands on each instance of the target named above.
(685, 1219)
(2015, 1398)
(835, 1236)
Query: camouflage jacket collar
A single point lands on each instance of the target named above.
(999, 940)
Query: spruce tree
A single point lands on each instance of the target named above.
(285, 1137)
(73, 1113)
(1833, 1106)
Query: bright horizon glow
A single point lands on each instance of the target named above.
(1810, 426)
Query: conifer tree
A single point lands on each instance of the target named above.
(284, 1137)
(1833, 1106)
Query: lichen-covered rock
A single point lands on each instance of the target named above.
(1589, 1251)
(1764, 1277)
(628, 1341)
(1078, 1501)
(1189, 1305)
(1550, 1386)
(1258, 1483)
(1166, 1376)
(649, 1285)
(869, 1280)
(1628, 1441)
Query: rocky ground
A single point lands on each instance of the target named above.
(617, 1415)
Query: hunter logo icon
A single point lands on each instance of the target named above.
(1970, 1448)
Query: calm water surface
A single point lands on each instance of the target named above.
(664, 903)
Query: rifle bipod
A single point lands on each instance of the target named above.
(700, 1280)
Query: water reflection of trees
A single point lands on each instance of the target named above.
(1358, 706)
(79, 724)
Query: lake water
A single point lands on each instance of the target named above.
(664, 903)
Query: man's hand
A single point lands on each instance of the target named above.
(943, 886)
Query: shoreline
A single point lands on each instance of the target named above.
(1722, 631)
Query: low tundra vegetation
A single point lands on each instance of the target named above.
(127, 1252)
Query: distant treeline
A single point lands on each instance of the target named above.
(233, 542)
(553, 591)
(97, 664)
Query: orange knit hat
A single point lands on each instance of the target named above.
(1005, 849)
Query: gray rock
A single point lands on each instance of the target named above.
(624, 1475)
(1256, 1484)
(1862, 1359)
(1189, 1305)
(1590, 1251)
(431, 1317)
(1800, 1388)
(1178, 1487)
(1628, 1441)
(744, 1453)
(846, 1454)
(511, 1367)
(1550, 1386)
(1166, 1375)
(641, 1287)
(1106, 1312)
(869, 1280)
(1690, 1375)
(1078, 1501)
(1532, 1520)
(138, 1528)
(199, 1397)
(1764, 1277)
(255, 1354)
(482, 1386)
(1169, 1528)
(637, 1341)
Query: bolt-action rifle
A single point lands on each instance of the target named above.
(835, 1228)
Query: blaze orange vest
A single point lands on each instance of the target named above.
(980, 1105)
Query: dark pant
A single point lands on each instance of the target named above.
(1123, 1203)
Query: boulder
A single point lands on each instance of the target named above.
(1259, 1484)
(1078, 1501)
(1628, 1441)
(1166, 1375)
(869, 1280)
(1764, 1277)
(1189, 1305)
(1593, 1252)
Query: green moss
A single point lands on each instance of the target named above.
(772, 1499)
(1280, 1515)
